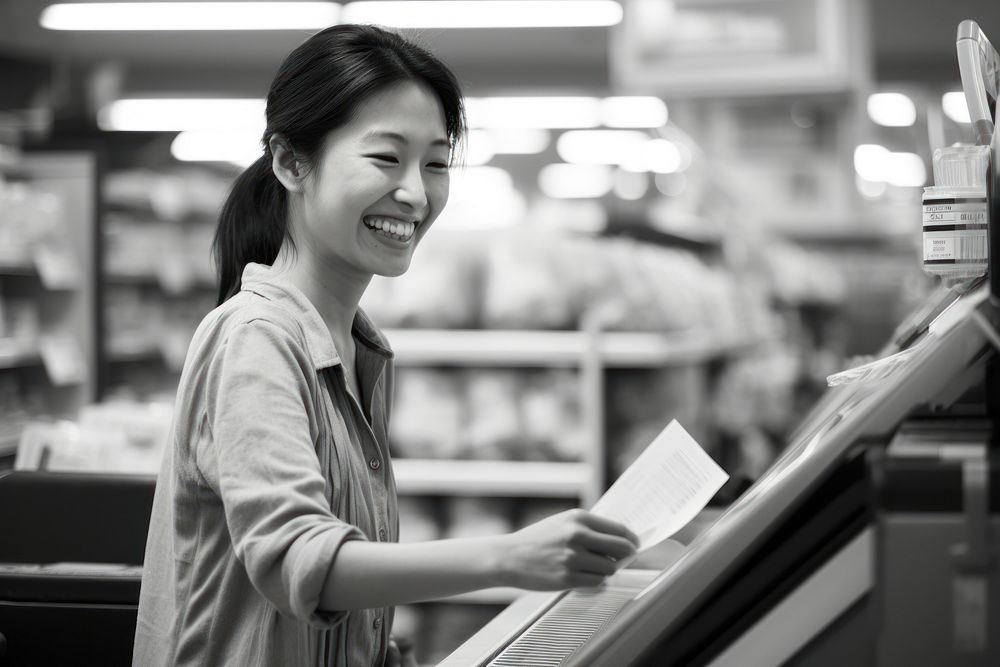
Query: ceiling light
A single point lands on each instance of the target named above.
(600, 146)
(238, 147)
(956, 107)
(486, 13)
(473, 187)
(892, 109)
(479, 148)
(877, 164)
(637, 111)
(534, 112)
(518, 141)
(190, 16)
(575, 181)
(172, 115)
(569, 112)
(906, 170)
(871, 162)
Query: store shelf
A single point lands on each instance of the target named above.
(490, 478)
(133, 350)
(8, 445)
(421, 347)
(18, 353)
(16, 265)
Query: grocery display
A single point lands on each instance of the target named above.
(48, 217)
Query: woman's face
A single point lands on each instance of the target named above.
(379, 183)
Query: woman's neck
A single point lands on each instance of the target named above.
(334, 293)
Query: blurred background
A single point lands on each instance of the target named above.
(670, 210)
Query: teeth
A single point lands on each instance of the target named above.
(404, 230)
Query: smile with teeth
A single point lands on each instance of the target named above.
(394, 229)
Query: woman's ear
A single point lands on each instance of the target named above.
(285, 165)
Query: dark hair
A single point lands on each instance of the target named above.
(317, 89)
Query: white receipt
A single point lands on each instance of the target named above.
(671, 481)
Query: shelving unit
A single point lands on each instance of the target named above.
(539, 479)
(50, 273)
(592, 352)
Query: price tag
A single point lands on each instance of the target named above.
(63, 359)
(57, 265)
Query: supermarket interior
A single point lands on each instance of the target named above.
(722, 213)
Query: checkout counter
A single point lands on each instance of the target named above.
(873, 540)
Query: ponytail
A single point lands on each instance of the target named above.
(252, 225)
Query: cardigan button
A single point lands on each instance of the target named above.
(374, 464)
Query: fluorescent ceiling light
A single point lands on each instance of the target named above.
(600, 146)
(892, 109)
(878, 164)
(486, 13)
(871, 162)
(638, 111)
(483, 145)
(171, 115)
(569, 112)
(190, 16)
(533, 112)
(956, 107)
(906, 170)
(482, 198)
(238, 147)
(517, 141)
(479, 148)
(575, 181)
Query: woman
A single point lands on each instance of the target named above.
(273, 534)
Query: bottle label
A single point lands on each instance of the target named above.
(955, 231)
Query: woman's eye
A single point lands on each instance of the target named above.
(437, 165)
(391, 159)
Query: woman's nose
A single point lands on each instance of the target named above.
(412, 192)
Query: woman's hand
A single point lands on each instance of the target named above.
(572, 549)
(400, 653)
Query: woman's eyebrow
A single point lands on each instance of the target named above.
(395, 136)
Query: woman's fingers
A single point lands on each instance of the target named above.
(608, 526)
(592, 563)
(606, 545)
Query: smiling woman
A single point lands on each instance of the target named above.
(273, 535)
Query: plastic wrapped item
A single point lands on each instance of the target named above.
(494, 429)
(439, 290)
(523, 288)
(873, 371)
(109, 437)
(757, 391)
(176, 195)
(550, 408)
(428, 414)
